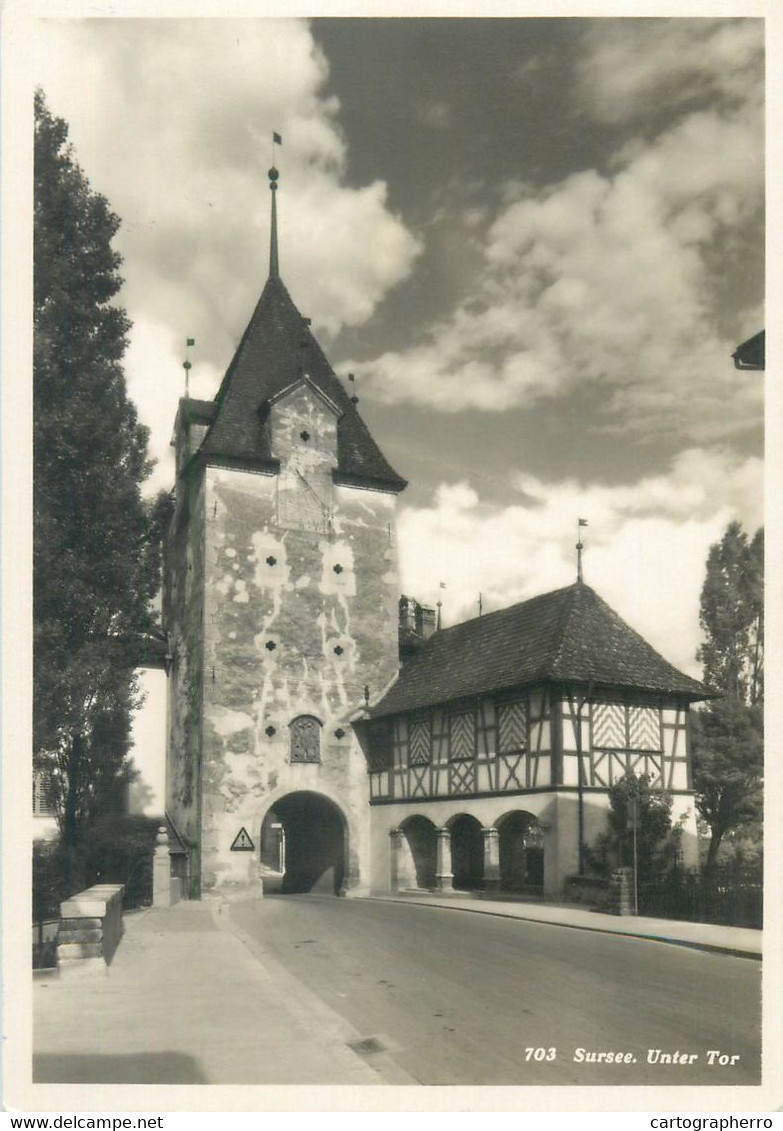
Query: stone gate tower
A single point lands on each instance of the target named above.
(281, 608)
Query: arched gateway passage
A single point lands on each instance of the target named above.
(315, 840)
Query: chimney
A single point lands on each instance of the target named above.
(426, 621)
(416, 624)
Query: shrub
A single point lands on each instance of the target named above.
(119, 850)
(50, 886)
(657, 842)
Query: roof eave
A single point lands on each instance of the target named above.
(368, 482)
(693, 693)
(544, 678)
(202, 459)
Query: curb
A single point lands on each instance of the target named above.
(690, 944)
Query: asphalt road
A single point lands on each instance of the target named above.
(456, 998)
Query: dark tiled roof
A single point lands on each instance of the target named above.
(750, 355)
(268, 359)
(568, 636)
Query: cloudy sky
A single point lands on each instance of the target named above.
(535, 242)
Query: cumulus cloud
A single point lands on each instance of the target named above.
(646, 544)
(172, 120)
(609, 276)
(155, 381)
(674, 62)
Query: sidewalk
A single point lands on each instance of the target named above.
(741, 941)
(186, 1001)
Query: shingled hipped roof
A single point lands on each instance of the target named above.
(270, 358)
(568, 636)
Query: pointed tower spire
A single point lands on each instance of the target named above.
(274, 265)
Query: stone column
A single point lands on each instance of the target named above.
(395, 847)
(491, 859)
(444, 877)
(161, 871)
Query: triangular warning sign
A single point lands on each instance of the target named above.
(242, 842)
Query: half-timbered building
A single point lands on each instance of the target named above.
(491, 757)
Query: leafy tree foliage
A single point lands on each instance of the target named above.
(728, 732)
(49, 885)
(732, 616)
(120, 851)
(657, 842)
(728, 762)
(96, 543)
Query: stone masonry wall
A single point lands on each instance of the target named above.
(183, 620)
(295, 622)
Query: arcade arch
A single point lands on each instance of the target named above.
(421, 840)
(467, 852)
(521, 850)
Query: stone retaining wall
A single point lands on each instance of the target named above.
(90, 929)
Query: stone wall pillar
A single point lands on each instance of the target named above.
(90, 929)
(166, 889)
(444, 877)
(491, 859)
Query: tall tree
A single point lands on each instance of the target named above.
(728, 733)
(95, 566)
(728, 764)
(732, 616)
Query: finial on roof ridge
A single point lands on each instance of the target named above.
(579, 548)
